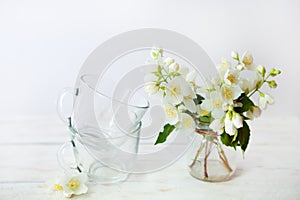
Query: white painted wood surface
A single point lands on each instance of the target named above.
(270, 170)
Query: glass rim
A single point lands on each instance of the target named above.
(82, 79)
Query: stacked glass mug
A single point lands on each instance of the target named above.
(104, 131)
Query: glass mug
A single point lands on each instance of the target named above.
(103, 157)
(92, 107)
(107, 129)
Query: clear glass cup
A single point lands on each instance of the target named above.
(105, 131)
(93, 108)
(104, 157)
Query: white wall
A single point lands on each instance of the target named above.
(44, 43)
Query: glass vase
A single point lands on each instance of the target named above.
(209, 159)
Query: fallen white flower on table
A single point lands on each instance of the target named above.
(72, 185)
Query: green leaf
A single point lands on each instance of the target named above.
(162, 137)
(199, 99)
(159, 68)
(247, 103)
(206, 118)
(157, 74)
(244, 136)
(229, 140)
(226, 139)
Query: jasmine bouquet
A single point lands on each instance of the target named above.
(219, 108)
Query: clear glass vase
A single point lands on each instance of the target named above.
(209, 159)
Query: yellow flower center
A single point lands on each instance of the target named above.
(187, 123)
(204, 112)
(231, 78)
(170, 112)
(248, 60)
(57, 187)
(73, 184)
(228, 93)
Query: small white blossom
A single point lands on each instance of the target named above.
(223, 67)
(214, 104)
(231, 77)
(253, 112)
(172, 114)
(174, 67)
(248, 85)
(72, 184)
(247, 60)
(229, 93)
(151, 88)
(176, 89)
(187, 124)
(168, 61)
(233, 121)
(264, 100)
(217, 125)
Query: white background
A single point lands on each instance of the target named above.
(44, 43)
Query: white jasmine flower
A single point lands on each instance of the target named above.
(172, 114)
(189, 103)
(168, 61)
(187, 124)
(73, 185)
(247, 60)
(264, 100)
(231, 77)
(214, 104)
(191, 76)
(151, 88)
(176, 89)
(217, 125)
(188, 100)
(253, 112)
(223, 67)
(229, 93)
(174, 67)
(233, 121)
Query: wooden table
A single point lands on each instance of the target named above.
(270, 170)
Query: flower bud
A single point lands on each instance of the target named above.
(235, 55)
(168, 61)
(174, 67)
(274, 72)
(272, 84)
(261, 70)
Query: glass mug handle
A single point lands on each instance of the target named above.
(63, 163)
(59, 103)
(60, 157)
